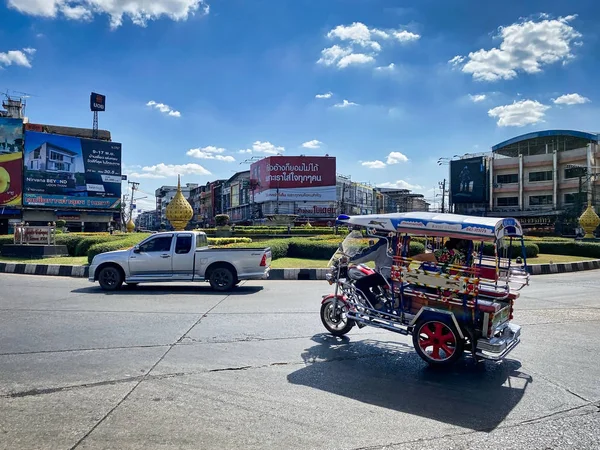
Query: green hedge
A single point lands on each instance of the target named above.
(586, 249)
(531, 250)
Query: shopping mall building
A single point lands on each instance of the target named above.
(542, 178)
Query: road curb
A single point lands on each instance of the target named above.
(45, 269)
(546, 269)
(275, 274)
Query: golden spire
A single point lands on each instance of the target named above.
(589, 220)
(179, 211)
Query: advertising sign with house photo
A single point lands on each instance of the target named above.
(69, 172)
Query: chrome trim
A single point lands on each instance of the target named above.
(500, 345)
(439, 311)
(486, 324)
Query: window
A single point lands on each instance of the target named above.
(540, 176)
(201, 241)
(572, 198)
(575, 172)
(158, 244)
(508, 201)
(183, 244)
(536, 200)
(507, 179)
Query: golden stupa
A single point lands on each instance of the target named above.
(589, 220)
(130, 226)
(179, 211)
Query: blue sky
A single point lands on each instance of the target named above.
(190, 84)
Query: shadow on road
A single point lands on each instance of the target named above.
(149, 289)
(391, 375)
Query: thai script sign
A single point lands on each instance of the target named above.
(35, 235)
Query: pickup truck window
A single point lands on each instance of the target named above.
(183, 244)
(201, 241)
(158, 244)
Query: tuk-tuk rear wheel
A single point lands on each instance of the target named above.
(437, 341)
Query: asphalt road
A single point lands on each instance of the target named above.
(177, 367)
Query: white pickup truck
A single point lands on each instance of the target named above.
(179, 256)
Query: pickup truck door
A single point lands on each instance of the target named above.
(153, 259)
(183, 257)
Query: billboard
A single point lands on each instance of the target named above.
(11, 161)
(97, 102)
(468, 180)
(85, 133)
(69, 172)
(294, 178)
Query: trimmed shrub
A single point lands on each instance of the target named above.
(531, 250)
(227, 241)
(104, 247)
(222, 220)
(7, 239)
(572, 248)
(303, 248)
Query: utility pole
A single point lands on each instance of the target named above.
(134, 186)
(442, 185)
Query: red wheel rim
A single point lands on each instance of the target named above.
(437, 341)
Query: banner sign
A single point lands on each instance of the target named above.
(11, 161)
(70, 172)
(294, 178)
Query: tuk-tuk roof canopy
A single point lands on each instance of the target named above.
(436, 224)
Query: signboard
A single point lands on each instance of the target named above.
(11, 161)
(85, 133)
(35, 235)
(294, 178)
(97, 102)
(328, 209)
(69, 172)
(468, 180)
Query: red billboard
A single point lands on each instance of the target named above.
(294, 178)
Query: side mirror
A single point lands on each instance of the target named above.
(136, 249)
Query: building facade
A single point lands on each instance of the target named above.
(539, 177)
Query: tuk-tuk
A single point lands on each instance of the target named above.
(449, 305)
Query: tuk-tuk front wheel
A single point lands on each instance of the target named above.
(436, 341)
(334, 318)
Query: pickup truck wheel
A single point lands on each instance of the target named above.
(221, 279)
(110, 278)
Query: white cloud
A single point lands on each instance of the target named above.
(374, 164)
(354, 58)
(477, 98)
(526, 46)
(406, 36)
(396, 158)
(361, 44)
(165, 109)
(325, 95)
(139, 11)
(519, 114)
(389, 68)
(210, 152)
(313, 145)
(163, 170)
(400, 184)
(571, 99)
(17, 57)
(345, 103)
(456, 60)
(264, 147)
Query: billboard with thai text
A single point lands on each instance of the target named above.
(294, 178)
(70, 172)
(11, 161)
